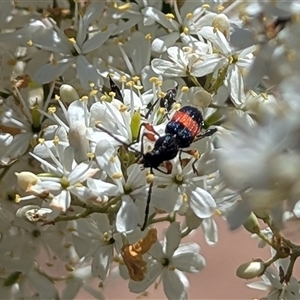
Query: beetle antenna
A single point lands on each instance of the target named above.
(118, 140)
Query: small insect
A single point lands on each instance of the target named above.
(166, 102)
(181, 131)
(114, 88)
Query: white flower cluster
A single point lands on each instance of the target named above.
(97, 100)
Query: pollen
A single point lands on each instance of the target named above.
(220, 8)
(206, 6)
(171, 268)
(153, 79)
(217, 212)
(150, 178)
(177, 106)
(123, 108)
(52, 110)
(170, 16)
(135, 78)
(90, 155)
(148, 37)
(84, 98)
(125, 6)
(130, 83)
(186, 30)
(69, 268)
(179, 178)
(196, 155)
(185, 89)
(161, 95)
(17, 198)
(123, 79)
(184, 197)
(56, 140)
(93, 93)
(117, 175)
(112, 94)
(189, 16)
(72, 40)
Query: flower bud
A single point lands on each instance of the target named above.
(135, 124)
(25, 179)
(250, 270)
(252, 224)
(68, 94)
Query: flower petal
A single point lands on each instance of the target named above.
(127, 216)
(173, 286)
(172, 240)
(202, 203)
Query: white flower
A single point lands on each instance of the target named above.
(70, 51)
(130, 187)
(184, 62)
(233, 62)
(94, 238)
(168, 261)
(21, 124)
(187, 187)
(64, 175)
(275, 285)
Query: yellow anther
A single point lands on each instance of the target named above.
(206, 6)
(123, 108)
(30, 43)
(171, 268)
(150, 178)
(84, 98)
(130, 83)
(220, 8)
(112, 94)
(161, 95)
(170, 16)
(56, 140)
(184, 197)
(135, 78)
(179, 177)
(90, 155)
(189, 16)
(52, 110)
(69, 268)
(196, 155)
(93, 93)
(162, 111)
(186, 30)
(17, 198)
(177, 106)
(148, 37)
(123, 78)
(218, 212)
(265, 96)
(125, 6)
(184, 89)
(56, 97)
(41, 141)
(112, 159)
(153, 79)
(72, 40)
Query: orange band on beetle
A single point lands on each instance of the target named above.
(187, 121)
